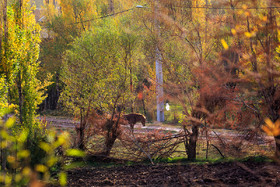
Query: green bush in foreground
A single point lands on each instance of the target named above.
(29, 160)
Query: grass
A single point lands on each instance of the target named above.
(177, 161)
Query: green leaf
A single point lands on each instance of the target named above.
(23, 136)
(41, 168)
(62, 178)
(23, 154)
(46, 147)
(10, 122)
(75, 153)
(73, 165)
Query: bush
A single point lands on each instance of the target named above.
(31, 158)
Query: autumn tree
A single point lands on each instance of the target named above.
(226, 72)
(19, 60)
(19, 66)
(96, 74)
(63, 22)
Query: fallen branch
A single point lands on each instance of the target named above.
(218, 150)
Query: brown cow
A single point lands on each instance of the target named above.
(133, 118)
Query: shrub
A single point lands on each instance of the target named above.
(29, 159)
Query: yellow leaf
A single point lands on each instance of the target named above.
(18, 177)
(244, 7)
(267, 130)
(276, 132)
(46, 147)
(63, 178)
(224, 43)
(26, 171)
(269, 123)
(8, 179)
(277, 124)
(52, 161)
(247, 34)
(41, 168)
(23, 154)
(10, 122)
(271, 128)
(75, 153)
(264, 18)
(23, 136)
(233, 31)
(4, 144)
(11, 159)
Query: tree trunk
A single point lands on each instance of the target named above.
(112, 134)
(192, 143)
(5, 25)
(80, 129)
(20, 101)
(3, 158)
(80, 136)
(19, 81)
(277, 143)
(109, 143)
(144, 107)
(3, 151)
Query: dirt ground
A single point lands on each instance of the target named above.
(219, 174)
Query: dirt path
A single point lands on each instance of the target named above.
(62, 122)
(59, 121)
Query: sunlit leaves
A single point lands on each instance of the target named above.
(41, 168)
(23, 154)
(75, 153)
(63, 178)
(19, 157)
(233, 31)
(224, 43)
(103, 63)
(272, 129)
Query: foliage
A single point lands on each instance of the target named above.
(19, 63)
(22, 169)
(272, 129)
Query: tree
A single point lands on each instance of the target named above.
(19, 63)
(64, 22)
(19, 59)
(94, 75)
(232, 72)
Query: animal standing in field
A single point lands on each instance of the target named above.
(133, 118)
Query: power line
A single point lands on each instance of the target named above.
(232, 8)
(101, 17)
(108, 15)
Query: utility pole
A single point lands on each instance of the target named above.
(159, 74)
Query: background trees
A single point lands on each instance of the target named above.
(229, 69)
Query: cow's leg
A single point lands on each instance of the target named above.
(132, 127)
